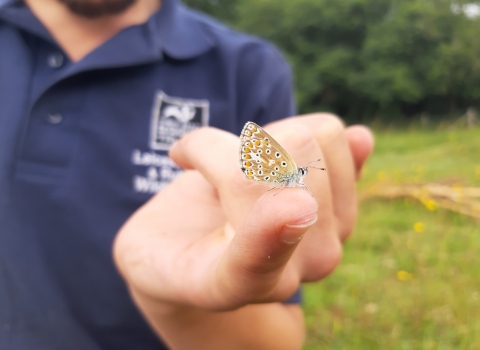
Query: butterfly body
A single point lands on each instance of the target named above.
(264, 160)
(294, 179)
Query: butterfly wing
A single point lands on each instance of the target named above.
(262, 158)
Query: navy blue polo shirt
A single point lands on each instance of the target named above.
(84, 144)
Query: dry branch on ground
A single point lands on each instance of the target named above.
(463, 200)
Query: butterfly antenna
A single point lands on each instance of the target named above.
(313, 161)
(316, 168)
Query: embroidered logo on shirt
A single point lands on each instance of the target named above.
(173, 117)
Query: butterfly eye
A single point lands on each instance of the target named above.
(277, 154)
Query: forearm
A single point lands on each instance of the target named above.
(261, 326)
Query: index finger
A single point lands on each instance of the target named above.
(215, 153)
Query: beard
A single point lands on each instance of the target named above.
(97, 8)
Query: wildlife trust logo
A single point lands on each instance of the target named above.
(173, 117)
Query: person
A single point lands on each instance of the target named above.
(93, 94)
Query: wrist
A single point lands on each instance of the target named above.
(257, 326)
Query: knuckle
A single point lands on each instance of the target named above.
(325, 263)
(191, 138)
(333, 118)
(333, 126)
(326, 127)
(205, 134)
(296, 137)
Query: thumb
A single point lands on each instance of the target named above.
(252, 265)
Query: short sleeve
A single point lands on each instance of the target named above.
(265, 88)
(280, 103)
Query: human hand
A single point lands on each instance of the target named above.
(216, 241)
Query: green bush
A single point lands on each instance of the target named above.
(368, 58)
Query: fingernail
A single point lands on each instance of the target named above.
(293, 233)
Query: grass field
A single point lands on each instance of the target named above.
(410, 277)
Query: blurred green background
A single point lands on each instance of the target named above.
(365, 59)
(410, 277)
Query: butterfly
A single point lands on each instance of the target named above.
(264, 160)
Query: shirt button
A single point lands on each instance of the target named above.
(55, 60)
(54, 118)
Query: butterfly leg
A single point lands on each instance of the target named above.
(302, 184)
(281, 188)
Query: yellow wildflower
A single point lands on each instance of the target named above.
(419, 227)
(431, 205)
(404, 275)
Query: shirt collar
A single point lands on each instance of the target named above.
(173, 29)
(177, 32)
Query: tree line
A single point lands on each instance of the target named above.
(365, 59)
